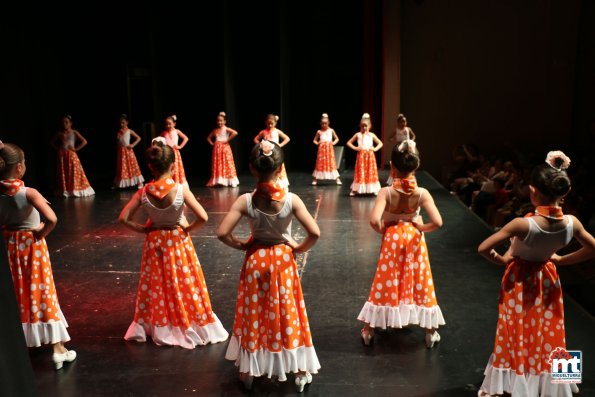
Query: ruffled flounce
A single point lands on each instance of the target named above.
(189, 338)
(321, 175)
(370, 188)
(79, 193)
(37, 334)
(135, 181)
(401, 316)
(265, 362)
(233, 182)
(505, 380)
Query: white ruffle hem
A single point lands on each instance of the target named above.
(401, 316)
(265, 362)
(505, 380)
(134, 181)
(370, 188)
(322, 175)
(51, 332)
(79, 193)
(189, 338)
(233, 182)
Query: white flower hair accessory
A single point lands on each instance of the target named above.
(325, 115)
(366, 116)
(174, 117)
(266, 147)
(159, 139)
(276, 118)
(407, 146)
(557, 160)
(222, 114)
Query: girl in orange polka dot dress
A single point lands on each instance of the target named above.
(326, 167)
(172, 303)
(72, 181)
(21, 212)
(531, 310)
(271, 335)
(365, 174)
(272, 133)
(402, 292)
(223, 168)
(172, 136)
(127, 169)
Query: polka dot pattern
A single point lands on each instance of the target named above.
(270, 310)
(12, 186)
(72, 180)
(127, 170)
(326, 167)
(530, 319)
(32, 277)
(223, 168)
(172, 290)
(179, 175)
(365, 176)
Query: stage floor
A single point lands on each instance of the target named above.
(96, 268)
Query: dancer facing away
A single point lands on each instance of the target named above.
(271, 133)
(271, 335)
(325, 139)
(403, 289)
(127, 170)
(531, 311)
(223, 168)
(402, 133)
(365, 177)
(21, 212)
(172, 135)
(170, 270)
(72, 180)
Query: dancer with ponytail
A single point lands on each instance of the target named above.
(172, 136)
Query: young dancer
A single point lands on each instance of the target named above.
(127, 169)
(271, 133)
(223, 169)
(172, 303)
(26, 218)
(402, 133)
(72, 180)
(531, 311)
(271, 335)
(172, 135)
(365, 177)
(325, 139)
(403, 289)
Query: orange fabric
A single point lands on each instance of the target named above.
(71, 176)
(160, 188)
(11, 186)
(405, 185)
(552, 212)
(366, 171)
(172, 290)
(127, 166)
(283, 175)
(272, 190)
(531, 317)
(179, 174)
(222, 164)
(325, 158)
(270, 311)
(32, 277)
(403, 274)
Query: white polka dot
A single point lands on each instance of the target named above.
(254, 298)
(286, 257)
(379, 286)
(289, 330)
(278, 336)
(518, 308)
(511, 303)
(271, 315)
(418, 286)
(255, 324)
(377, 295)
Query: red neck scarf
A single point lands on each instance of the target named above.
(405, 185)
(160, 188)
(549, 211)
(11, 186)
(271, 190)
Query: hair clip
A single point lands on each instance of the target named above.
(222, 114)
(366, 116)
(324, 115)
(174, 117)
(266, 147)
(553, 156)
(276, 118)
(159, 139)
(407, 146)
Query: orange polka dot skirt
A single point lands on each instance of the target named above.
(271, 335)
(29, 261)
(172, 303)
(223, 168)
(530, 326)
(365, 174)
(72, 181)
(127, 171)
(179, 175)
(326, 167)
(402, 292)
